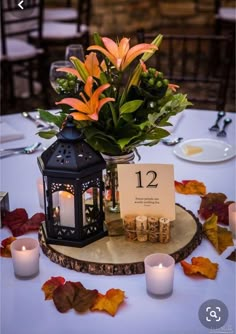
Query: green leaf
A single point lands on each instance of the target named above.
(79, 65)
(51, 118)
(97, 39)
(130, 106)
(47, 134)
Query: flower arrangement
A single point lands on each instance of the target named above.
(116, 101)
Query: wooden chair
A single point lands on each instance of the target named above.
(225, 17)
(18, 56)
(199, 64)
(62, 34)
(65, 13)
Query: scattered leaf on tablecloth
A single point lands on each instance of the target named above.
(190, 187)
(109, 302)
(5, 250)
(232, 256)
(73, 295)
(19, 223)
(215, 203)
(51, 285)
(200, 265)
(220, 237)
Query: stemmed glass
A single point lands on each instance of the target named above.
(75, 50)
(59, 80)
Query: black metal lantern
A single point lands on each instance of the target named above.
(73, 189)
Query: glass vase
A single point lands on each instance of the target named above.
(111, 179)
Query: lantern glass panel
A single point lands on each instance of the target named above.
(66, 209)
(91, 205)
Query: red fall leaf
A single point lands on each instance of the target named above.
(19, 223)
(215, 203)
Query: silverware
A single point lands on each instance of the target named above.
(222, 133)
(39, 123)
(215, 127)
(21, 150)
(171, 141)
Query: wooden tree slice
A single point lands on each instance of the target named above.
(117, 256)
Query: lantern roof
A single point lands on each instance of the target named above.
(70, 154)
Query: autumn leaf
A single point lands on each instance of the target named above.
(215, 203)
(190, 187)
(219, 236)
(200, 265)
(109, 302)
(73, 295)
(5, 250)
(19, 223)
(232, 256)
(51, 285)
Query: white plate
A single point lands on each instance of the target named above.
(212, 150)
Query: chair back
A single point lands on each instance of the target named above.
(84, 14)
(200, 64)
(19, 23)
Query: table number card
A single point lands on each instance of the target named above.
(147, 189)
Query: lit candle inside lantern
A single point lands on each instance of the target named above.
(67, 209)
(159, 274)
(25, 257)
(232, 218)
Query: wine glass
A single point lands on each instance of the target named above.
(58, 79)
(75, 50)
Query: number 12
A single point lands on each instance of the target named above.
(151, 184)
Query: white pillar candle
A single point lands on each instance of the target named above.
(232, 218)
(25, 257)
(67, 209)
(40, 192)
(159, 274)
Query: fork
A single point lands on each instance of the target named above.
(222, 133)
(20, 150)
(215, 127)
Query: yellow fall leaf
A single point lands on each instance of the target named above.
(219, 236)
(109, 302)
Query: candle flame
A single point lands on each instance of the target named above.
(23, 248)
(160, 265)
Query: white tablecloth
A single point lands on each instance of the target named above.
(23, 309)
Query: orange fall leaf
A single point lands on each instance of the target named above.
(49, 286)
(200, 265)
(109, 302)
(5, 250)
(190, 187)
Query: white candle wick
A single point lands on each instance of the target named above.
(23, 248)
(160, 265)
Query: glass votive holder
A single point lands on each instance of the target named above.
(159, 274)
(232, 218)
(25, 257)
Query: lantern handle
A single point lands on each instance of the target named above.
(69, 131)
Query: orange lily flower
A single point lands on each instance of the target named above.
(90, 67)
(173, 87)
(120, 54)
(88, 109)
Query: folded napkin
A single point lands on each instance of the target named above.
(174, 120)
(8, 133)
